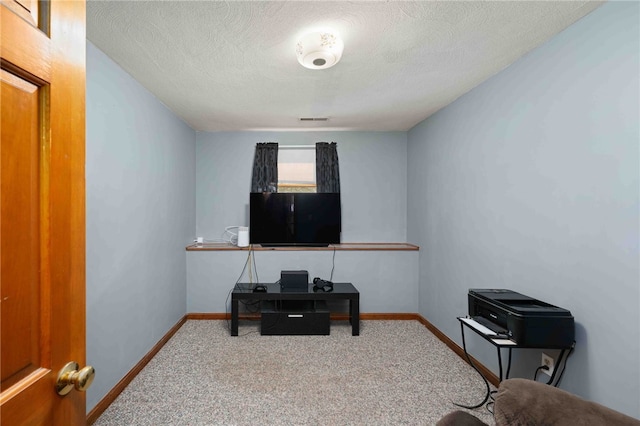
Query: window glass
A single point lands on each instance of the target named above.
(296, 169)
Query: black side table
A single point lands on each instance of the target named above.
(501, 343)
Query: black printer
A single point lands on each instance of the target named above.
(527, 321)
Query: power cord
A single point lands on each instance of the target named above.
(228, 237)
(333, 262)
(255, 268)
(542, 367)
(236, 286)
(561, 367)
(491, 403)
(564, 364)
(320, 284)
(233, 236)
(472, 364)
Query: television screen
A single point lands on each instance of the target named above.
(302, 219)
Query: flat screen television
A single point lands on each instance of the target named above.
(294, 219)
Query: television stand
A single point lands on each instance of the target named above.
(341, 291)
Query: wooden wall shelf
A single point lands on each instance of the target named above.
(343, 246)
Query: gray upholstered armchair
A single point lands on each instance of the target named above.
(526, 402)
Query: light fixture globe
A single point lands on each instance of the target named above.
(319, 50)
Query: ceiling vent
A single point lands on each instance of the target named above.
(314, 118)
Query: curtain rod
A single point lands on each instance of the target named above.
(297, 146)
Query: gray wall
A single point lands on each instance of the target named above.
(387, 280)
(373, 180)
(373, 183)
(530, 182)
(140, 171)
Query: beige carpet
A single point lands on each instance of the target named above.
(394, 373)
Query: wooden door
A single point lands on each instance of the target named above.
(42, 292)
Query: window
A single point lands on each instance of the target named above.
(296, 168)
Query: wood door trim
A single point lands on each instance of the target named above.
(29, 14)
(23, 50)
(32, 378)
(39, 382)
(17, 82)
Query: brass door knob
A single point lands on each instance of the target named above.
(69, 378)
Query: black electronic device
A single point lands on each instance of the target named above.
(294, 219)
(260, 288)
(294, 281)
(322, 285)
(527, 321)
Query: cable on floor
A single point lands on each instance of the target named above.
(486, 382)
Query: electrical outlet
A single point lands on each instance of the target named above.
(549, 362)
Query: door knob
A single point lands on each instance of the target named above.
(69, 378)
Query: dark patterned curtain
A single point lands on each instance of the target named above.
(265, 168)
(327, 169)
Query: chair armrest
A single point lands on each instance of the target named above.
(527, 402)
(460, 418)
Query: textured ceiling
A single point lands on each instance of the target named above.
(231, 65)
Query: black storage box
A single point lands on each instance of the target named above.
(294, 317)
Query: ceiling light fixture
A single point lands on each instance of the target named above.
(319, 50)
